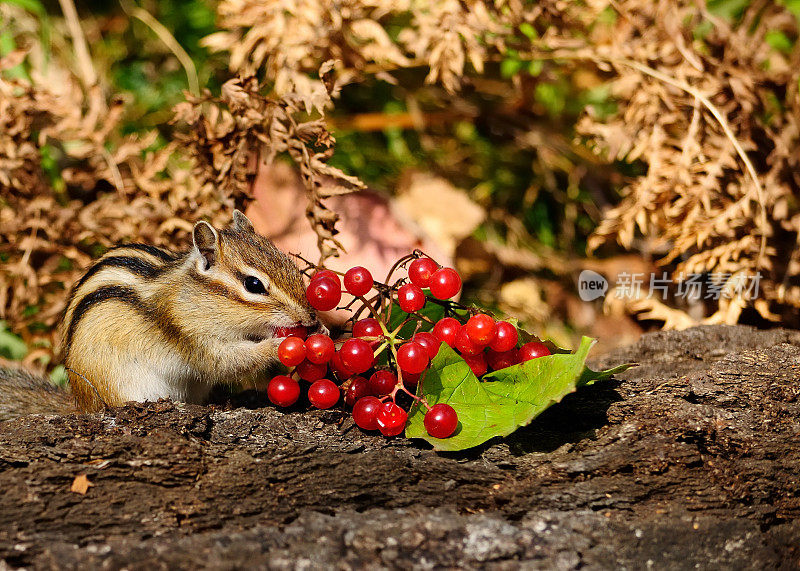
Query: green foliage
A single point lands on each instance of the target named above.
(793, 6)
(728, 9)
(59, 376)
(142, 66)
(505, 400)
(11, 346)
(33, 6)
(7, 45)
(777, 40)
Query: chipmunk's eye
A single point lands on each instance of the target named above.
(254, 285)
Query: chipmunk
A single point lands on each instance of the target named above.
(145, 323)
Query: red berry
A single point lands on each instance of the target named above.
(323, 293)
(441, 420)
(358, 281)
(465, 344)
(283, 390)
(368, 327)
(533, 350)
(391, 419)
(481, 329)
(446, 330)
(411, 380)
(429, 341)
(477, 363)
(293, 331)
(319, 348)
(339, 368)
(502, 360)
(356, 355)
(311, 371)
(327, 274)
(445, 283)
(421, 270)
(505, 337)
(365, 412)
(323, 393)
(382, 382)
(358, 387)
(412, 357)
(292, 351)
(410, 298)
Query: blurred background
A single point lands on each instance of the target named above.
(523, 142)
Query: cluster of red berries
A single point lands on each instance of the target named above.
(481, 341)
(487, 344)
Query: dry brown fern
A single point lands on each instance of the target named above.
(712, 113)
(707, 107)
(290, 39)
(103, 188)
(230, 135)
(716, 120)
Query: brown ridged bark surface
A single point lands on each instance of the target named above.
(693, 458)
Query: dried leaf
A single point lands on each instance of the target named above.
(81, 484)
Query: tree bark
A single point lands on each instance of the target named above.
(690, 459)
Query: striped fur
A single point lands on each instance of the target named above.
(145, 323)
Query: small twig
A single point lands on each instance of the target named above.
(88, 73)
(169, 40)
(374, 313)
(361, 309)
(26, 256)
(115, 174)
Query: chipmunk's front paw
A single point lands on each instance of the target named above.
(272, 342)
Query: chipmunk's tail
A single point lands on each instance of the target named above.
(23, 392)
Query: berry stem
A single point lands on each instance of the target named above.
(421, 317)
(417, 253)
(397, 329)
(401, 387)
(393, 349)
(374, 313)
(357, 314)
(380, 349)
(401, 262)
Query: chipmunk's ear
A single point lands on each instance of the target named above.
(206, 243)
(241, 222)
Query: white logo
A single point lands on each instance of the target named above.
(591, 285)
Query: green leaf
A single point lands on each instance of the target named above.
(535, 67)
(528, 30)
(510, 67)
(505, 400)
(729, 9)
(793, 6)
(59, 376)
(31, 5)
(11, 346)
(779, 41)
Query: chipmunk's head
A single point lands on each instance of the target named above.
(257, 289)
